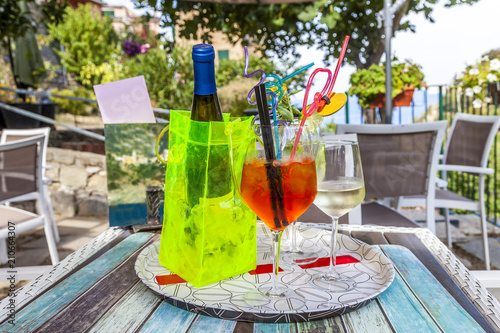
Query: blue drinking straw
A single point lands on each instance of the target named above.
(275, 118)
(279, 82)
(298, 71)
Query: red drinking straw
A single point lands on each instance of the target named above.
(319, 96)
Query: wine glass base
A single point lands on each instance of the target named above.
(300, 257)
(282, 299)
(332, 283)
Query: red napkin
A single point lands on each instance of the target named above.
(325, 261)
(169, 279)
(263, 269)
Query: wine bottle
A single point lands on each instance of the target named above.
(207, 169)
(206, 106)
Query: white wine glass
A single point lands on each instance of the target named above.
(340, 188)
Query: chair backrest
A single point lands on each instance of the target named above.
(9, 135)
(21, 167)
(398, 160)
(470, 139)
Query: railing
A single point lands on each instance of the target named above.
(449, 100)
(50, 121)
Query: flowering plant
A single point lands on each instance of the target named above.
(131, 47)
(366, 84)
(11, 97)
(474, 80)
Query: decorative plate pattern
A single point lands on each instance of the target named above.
(373, 273)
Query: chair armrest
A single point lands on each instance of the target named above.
(489, 279)
(465, 168)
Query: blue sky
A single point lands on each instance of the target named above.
(458, 37)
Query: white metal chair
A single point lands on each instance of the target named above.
(397, 160)
(467, 150)
(21, 174)
(9, 135)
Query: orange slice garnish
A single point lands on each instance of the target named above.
(337, 101)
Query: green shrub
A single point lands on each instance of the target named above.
(77, 108)
(85, 39)
(92, 74)
(169, 77)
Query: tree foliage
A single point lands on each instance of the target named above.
(14, 21)
(85, 39)
(280, 28)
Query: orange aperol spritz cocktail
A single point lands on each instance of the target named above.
(278, 190)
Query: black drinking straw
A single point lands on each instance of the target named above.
(265, 122)
(273, 172)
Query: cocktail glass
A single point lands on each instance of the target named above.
(278, 191)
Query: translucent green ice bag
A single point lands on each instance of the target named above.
(208, 233)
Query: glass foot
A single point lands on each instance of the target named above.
(299, 257)
(334, 283)
(281, 298)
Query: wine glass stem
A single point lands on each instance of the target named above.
(294, 239)
(333, 248)
(276, 253)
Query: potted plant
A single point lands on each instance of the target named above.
(369, 84)
(14, 120)
(480, 81)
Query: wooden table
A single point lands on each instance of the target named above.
(96, 289)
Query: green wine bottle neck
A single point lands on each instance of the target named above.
(206, 106)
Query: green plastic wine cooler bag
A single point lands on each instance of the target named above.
(208, 234)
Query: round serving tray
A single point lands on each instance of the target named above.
(373, 273)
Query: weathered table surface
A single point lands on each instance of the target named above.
(96, 289)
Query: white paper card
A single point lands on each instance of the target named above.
(125, 101)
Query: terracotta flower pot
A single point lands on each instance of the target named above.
(494, 88)
(403, 99)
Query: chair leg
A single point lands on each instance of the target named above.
(430, 217)
(3, 252)
(484, 232)
(448, 227)
(51, 242)
(398, 203)
(49, 231)
(51, 214)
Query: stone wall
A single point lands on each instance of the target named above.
(79, 184)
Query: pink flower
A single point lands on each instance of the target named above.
(145, 48)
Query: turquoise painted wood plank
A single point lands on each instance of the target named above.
(449, 315)
(404, 310)
(207, 324)
(330, 325)
(274, 328)
(128, 314)
(368, 318)
(168, 318)
(50, 303)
